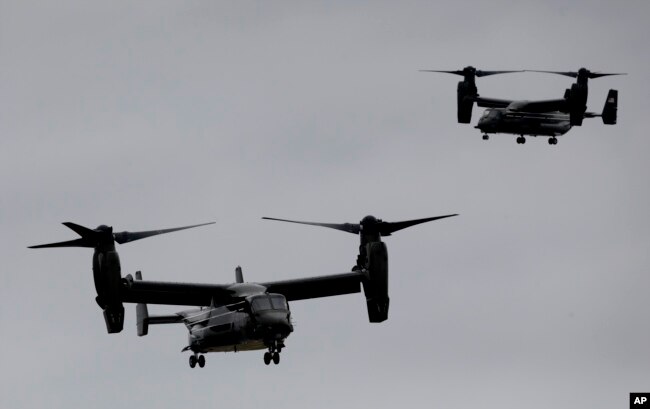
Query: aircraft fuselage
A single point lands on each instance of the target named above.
(503, 120)
(244, 326)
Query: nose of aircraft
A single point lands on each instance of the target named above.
(276, 319)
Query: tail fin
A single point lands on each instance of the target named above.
(239, 275)
(611, 106)
(142, 313)
(143, 318)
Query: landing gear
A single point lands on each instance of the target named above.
(271, 356)
(197, 359)
(521, 140)
(552, 141)
(486, 137)
(273, 353)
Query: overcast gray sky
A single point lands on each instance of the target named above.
(165, 113)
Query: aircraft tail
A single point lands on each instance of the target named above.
(143, 318)
(142, 313)
(611, 107)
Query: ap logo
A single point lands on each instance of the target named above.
(640, 400)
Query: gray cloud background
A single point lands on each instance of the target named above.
(165, 113)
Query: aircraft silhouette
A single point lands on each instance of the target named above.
(550, 118)
(239, 316)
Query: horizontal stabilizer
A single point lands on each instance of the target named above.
(143, 318)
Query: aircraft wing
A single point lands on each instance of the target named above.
(549, 105)
(492, 102)
(160, 292)
(315, 287)
(170, 293)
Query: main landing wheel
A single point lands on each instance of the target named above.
(197, 359)
(521, 140)
(486, 137)
(271, 356)
(552, 141)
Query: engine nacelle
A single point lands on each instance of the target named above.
(114, 317)
(577, 103)
(466, 93)
(107, 275)
(375, 285)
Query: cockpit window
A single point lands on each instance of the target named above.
(261, 303)
(279, 302)
(269, 302)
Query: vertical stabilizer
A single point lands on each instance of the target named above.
(239, 275)
(611, 107)
(141, 313)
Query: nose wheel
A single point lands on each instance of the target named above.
(486, 137)
(521, 140)
(197, 359)
(273, 354)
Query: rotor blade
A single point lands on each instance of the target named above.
(457, 72)
(386, 228)
(353, 228)
(69, 243)
(565, 73)
(88, 238)
(80, 230)
(598, 74)
(125, 236)
(471, 71)
(480, 73)
(574, 74)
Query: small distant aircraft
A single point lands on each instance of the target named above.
(550, 118)
(239, 316)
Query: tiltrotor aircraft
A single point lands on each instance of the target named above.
(239, 316)
(550, 118)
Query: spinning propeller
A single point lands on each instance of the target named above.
(471, 72)
(104, 235)
(106, 264)
(369, 225)
(582, 73)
